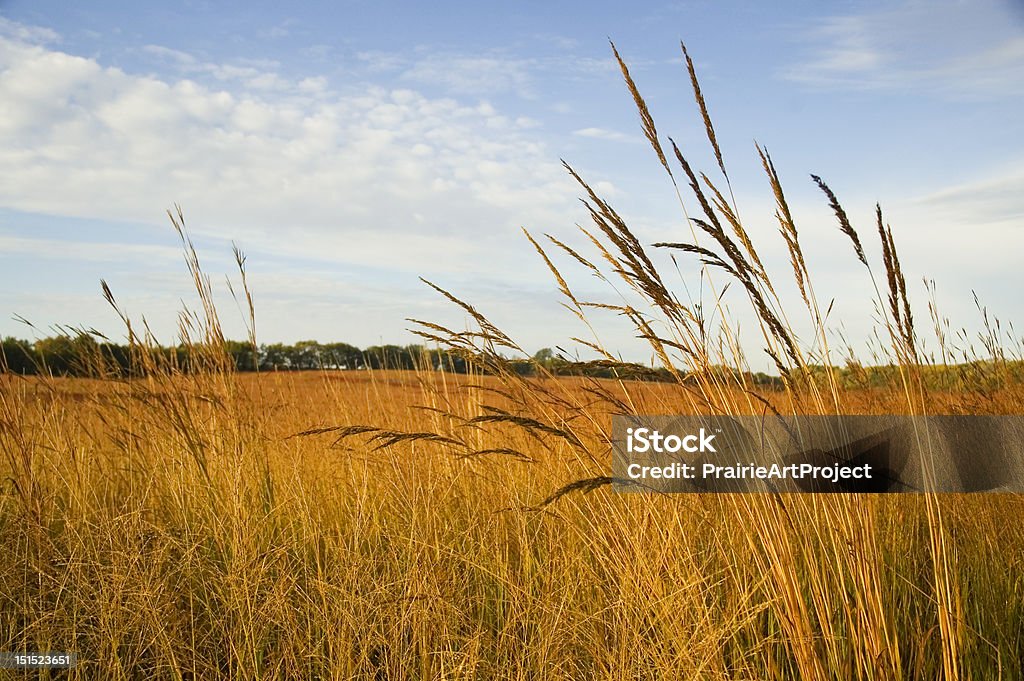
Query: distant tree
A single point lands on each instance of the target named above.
(442, 360)
(341, 356)
(63, 355)
(242, 353)
(274, 357)
(18, 357)
(393, 356)
(547, 358)
(306, 354)
(544, 355)
(118, 358)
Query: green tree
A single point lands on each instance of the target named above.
(18, 357)
(242, 353)
(546, 357)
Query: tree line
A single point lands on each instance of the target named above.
(80, 355)
(85, 354)
(88, 355)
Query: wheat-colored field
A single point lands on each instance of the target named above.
(175, 527)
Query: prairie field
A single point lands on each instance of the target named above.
(169, 518)
(176, 527)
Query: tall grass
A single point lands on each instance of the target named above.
(416, 525)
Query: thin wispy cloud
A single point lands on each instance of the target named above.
(488, 74)
(480, 75)
(107, 252)
(31, 34)
(996, 199)
(277, 32)
(910, 48)
(256, 74)
(604, 134)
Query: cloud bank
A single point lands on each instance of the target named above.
(358, 174)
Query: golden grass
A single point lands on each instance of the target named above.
(204, 524)
(223, 547)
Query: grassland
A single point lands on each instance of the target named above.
(206, 524)
(175, 528)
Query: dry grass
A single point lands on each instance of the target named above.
(387, 525)
(222, 547)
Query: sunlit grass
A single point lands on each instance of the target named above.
(417, 525)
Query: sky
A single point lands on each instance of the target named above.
(350, 148)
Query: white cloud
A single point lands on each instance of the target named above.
(32, 34)
(603, 134)
(381, 175)
(183, 59)
(473, 75)
(850, 49)
(257, 74)
(379, 61)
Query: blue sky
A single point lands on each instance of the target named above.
(349, 148)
